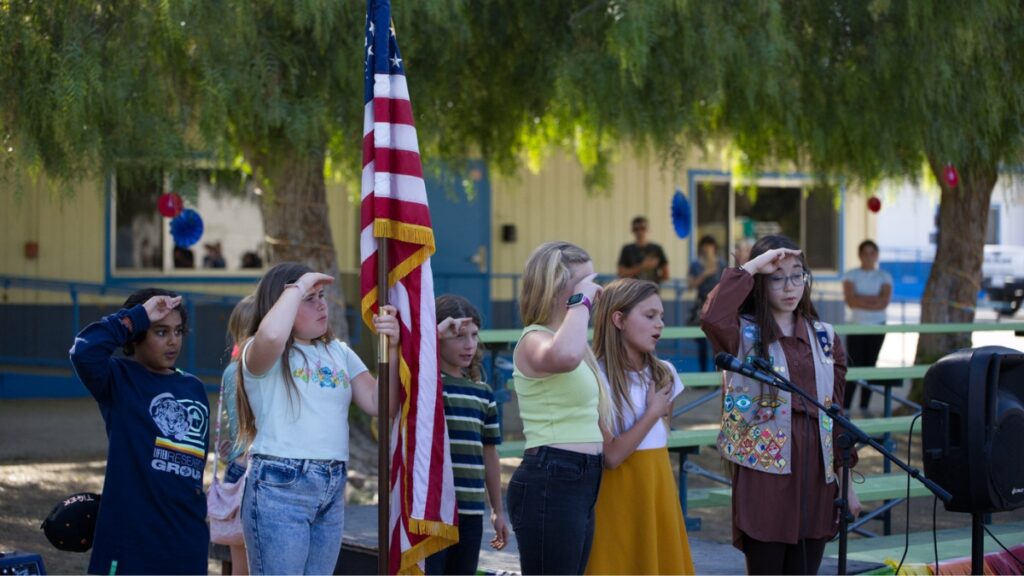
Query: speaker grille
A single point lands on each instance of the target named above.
(1006, 464)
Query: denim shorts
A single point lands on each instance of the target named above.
(293, 512)
(551, 499)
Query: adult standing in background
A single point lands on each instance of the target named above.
(867, 291)
(643, 260)
(705, 272)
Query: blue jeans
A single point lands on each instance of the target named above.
(551, 499)
(233, 473)
(463, 557)
(293, 512)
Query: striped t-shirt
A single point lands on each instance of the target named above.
(472, 418)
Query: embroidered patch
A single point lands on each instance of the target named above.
(743, 402)
(750, 333)
(727, 403)
(780, 438)
(826, 422)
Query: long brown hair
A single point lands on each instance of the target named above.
(455, 306)
(267, 292)
(623, 295)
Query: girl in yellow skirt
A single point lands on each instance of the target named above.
(639, 525)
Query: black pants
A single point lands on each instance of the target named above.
(781, 558)
(551, 499)
(463, 557)
(862, 350)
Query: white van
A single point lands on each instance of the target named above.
(1002, 277)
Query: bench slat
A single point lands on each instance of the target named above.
(694, 437)
(953, 543)
(874, 488)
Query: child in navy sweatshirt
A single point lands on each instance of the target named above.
(153, 511)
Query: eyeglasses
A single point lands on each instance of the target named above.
(639, 228)
(779, 282)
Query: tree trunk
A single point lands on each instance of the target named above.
(296, 223)
(952, 291)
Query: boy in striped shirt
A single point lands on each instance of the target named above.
(474, 434)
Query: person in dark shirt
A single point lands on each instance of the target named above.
(703, 277)
(643, 260)
(152, 517)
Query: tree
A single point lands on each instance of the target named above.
(852, 90)
(887, 88)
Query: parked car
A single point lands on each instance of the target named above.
(1003, 277)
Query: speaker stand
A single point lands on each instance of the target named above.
(977, 543)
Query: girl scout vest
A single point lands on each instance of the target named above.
(756, 429)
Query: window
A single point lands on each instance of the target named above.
(227, 202)
(810, 217)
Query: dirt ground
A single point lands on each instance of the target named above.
(52, 448)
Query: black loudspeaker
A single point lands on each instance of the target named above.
(972, 428)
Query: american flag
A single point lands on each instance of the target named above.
(394, 206)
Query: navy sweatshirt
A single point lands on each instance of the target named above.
(152, 517)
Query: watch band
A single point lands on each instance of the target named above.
(579, 299)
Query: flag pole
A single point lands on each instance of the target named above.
(383, 419)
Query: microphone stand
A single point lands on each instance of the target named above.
(846, 441)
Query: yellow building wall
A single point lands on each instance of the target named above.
(550, 205)
(554, 205)
(70, 231)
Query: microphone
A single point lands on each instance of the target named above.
(763, 364)
(726, 361)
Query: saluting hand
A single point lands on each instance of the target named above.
(451, 327)
(589, 288)
(769, 261)
(158, 307)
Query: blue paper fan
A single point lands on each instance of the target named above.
(186, 228)
(681, 214)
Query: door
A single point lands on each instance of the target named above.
(460, 211)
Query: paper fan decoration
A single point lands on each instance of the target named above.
(170, 204)
(187, 228)
(681, 214)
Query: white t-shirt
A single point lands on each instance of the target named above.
(638, 382)
(867, 283)
(313, 423)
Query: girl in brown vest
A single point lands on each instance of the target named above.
(784, 480)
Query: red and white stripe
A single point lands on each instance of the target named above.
(423, 504)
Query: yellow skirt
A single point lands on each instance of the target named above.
(639, 525)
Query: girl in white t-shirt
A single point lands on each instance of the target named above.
(867, 290)
(639, 527)
(295, 384)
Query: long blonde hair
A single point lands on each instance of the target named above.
(623, 295)
(545, 277)
(240, 321)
